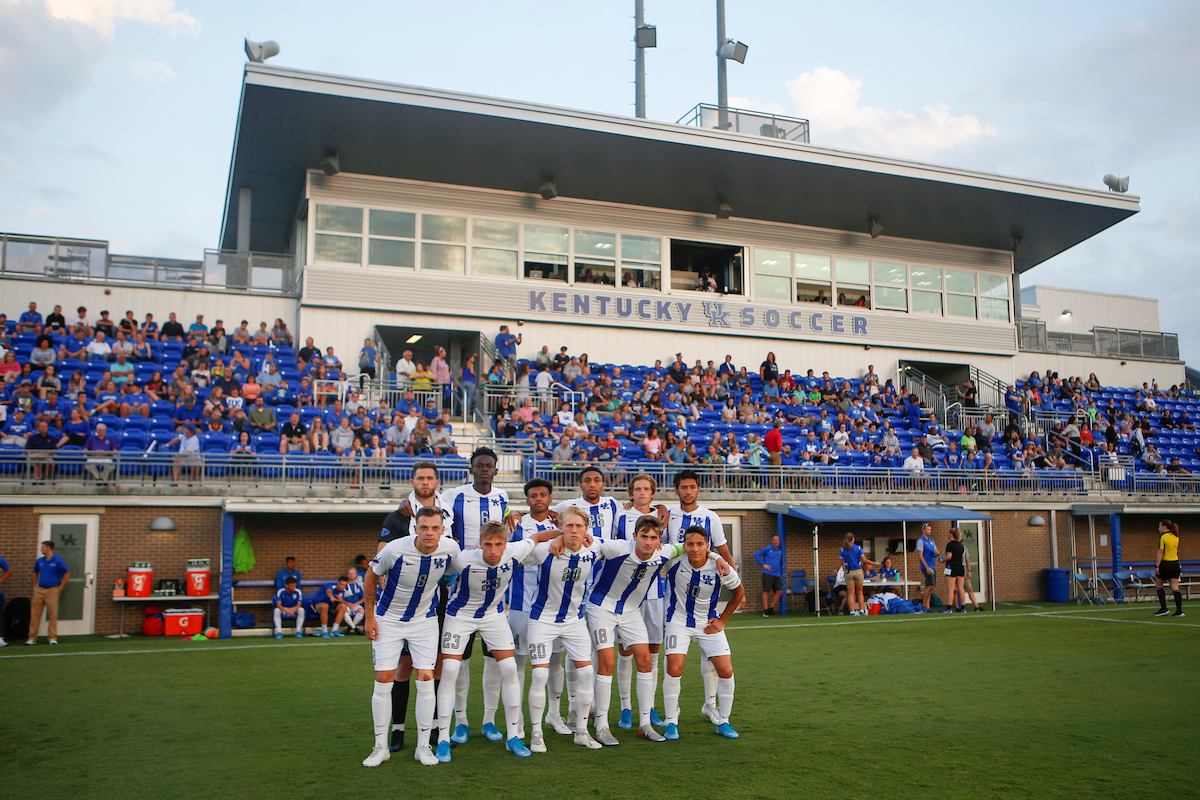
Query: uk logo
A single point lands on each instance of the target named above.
(718, 317)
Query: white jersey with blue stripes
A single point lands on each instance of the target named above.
(694, 592)
(354, 590)
(481, 588)
(622, 579)
(561, 581)
(525, 579)
(410, 588)
(471, 509)
(624, 528)
(681, 520)
(602, 515)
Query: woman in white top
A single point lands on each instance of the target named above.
(841, 439)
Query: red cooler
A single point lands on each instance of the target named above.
(198, 579)
(138, 580)
(183, 621)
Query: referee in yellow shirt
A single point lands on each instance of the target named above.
(1168, 568)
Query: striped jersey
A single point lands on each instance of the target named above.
(626, 522)
(602, 515)
(471, 509)
(682, 520)
(525, 579)
(354, 590)
(396, 525)
(410, 587)
(561, 581)
(694, 592)
(481, 589)
(622, 578)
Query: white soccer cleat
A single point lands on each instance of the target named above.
(379, 754)
(709, 713)
(648, 732)
(538, 743)
(425, 755)
(604, 736)
(560, 727)
(587, 741)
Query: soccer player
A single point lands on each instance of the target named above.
(1167, 568)
(641, 492)
(695, 583)
(288, 603)
(474, 504)
(689, 512)
(351, 608)
(319, 601)
(477, 606)
(615, 608)
(556, 614)
(397, 524)
(406, 614)
(602, 510)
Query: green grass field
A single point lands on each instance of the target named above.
(1018, 703)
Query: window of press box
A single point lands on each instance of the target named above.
(595, 271)
(851, 295)
(640, 276)
(700, 266)
(546, 248)
(813, 279)
(339, 234)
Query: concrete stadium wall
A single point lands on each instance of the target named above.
(1110, 371)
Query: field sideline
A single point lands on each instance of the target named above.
(1033, 700)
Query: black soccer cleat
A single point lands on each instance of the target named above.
(396, 742)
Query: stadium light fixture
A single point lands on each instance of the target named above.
(724, 211)
(548, 190)
(1066, 313)
(162, 524)
(1018, 246)
(876, 229)
(733, 50)
(646, 36)
(416, 337)
(258, 52)
(330, 165)
(1115, 184)
(1037, 521)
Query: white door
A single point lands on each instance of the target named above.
(972, 537)
(75, 540)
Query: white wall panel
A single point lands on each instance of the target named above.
(1110, 371)
(1091, 309)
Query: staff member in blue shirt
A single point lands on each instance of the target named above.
(52, 578)
(289, 571)
(929, 558)
(771, 559)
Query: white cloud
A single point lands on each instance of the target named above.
(102, 15)
(151, 71)
(830, 100)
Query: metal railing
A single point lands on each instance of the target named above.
(931, 393)
(754, 123)
(1105, 342)
(545, 401)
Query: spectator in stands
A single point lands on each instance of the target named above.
(262, 336)
(242, 334)
(505, 419)
(422, 378)
(440, 441)
(269, 377)
(40, 445)
(251, 390)
(280, 335)
(262, 417)
(75, 430)
(333, 364)
(243, 448)
(99, 349)
(10, 370)
(149, 328)
(99, 447)
(52, 409)
(506, 349)
(914, 465)
(294, 435)
(43, 353)
(172, 330)
(16, 429)
(218, 341)
(769, 369)
(564, 451)
(48, 382)
(368, 358)
(188, 454)
(342, 438)
(122, 370)
(30, 321)
(318, 436)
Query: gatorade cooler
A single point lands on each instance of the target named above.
(138, 580)
(198, 579)
(183, 621)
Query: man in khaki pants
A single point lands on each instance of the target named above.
(52, 577)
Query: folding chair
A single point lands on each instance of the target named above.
(1103, 581)
(1083, 587)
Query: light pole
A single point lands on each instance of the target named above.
(726, 49)
(644, 36)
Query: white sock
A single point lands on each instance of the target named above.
(671, 698)
(724, 698)
(324, 629)
(491, 690)
(625, 680)
(445, 696)
(654, 678)
(645, 694)
(571, 678)
(512, 695)
(381, 711)
(601, 700)
(520, 662)
(584, 698)
(537, 697)
(426, 703)
(461, 687)
(556, 677)
(278, 615)
(709, 673)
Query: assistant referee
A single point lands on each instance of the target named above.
(1168, 568)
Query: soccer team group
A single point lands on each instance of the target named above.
(578, 590)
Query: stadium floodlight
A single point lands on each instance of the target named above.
(1116, 184)
(876, 228)
(258, 52)
(733, 50)
(330, 164)
(1066, 313)
(724, 211)
(646, 36)
(548, 190)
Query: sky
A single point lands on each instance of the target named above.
(117, 116)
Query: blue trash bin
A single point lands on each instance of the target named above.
(1058, 585)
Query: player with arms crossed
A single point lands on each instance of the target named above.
(695, 583)
(477, 606)
(562, 569)
(406, 614)
(615, 608)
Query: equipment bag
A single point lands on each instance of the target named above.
(16, 618)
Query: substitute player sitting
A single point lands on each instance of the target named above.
(406, 614)
(563, 570)
(289, 603)
(615, 608)
(477, 606)
(695, 583)
(319, 601)
(350, 610)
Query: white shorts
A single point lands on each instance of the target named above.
(518, 623)
(606, 626)
(420, 635)
(679, 638)
(654, 613)
(456, 632)
(572, 634)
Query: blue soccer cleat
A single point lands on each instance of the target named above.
(278, 634)
(726, 730)
(518, 748)
(299, 634)
(626, 720)
(443, 752)
(338, 634)
(655, 719)
(461, 734)
(491, 732)
(672, 732)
